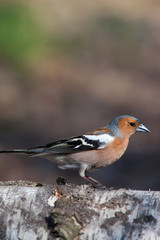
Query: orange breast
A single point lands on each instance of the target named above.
(102, 157)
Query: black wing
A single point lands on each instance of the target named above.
(67, 146)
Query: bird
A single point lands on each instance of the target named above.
(92, 150)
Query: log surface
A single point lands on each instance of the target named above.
(40, 212)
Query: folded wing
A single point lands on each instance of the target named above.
(68, 146)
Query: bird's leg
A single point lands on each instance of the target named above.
(91, 180)
(94, 182)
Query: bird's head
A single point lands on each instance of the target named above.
(126, 125)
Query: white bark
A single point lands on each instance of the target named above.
(31, 212)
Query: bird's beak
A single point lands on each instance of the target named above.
(142, 128)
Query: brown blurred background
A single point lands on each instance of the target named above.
(67, 67)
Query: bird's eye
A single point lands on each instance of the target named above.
(132, 124)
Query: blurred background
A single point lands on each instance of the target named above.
(68, 67)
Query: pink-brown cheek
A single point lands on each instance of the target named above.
(133, 132)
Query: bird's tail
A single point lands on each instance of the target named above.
(30, 151)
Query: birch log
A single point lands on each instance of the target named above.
(32, 211)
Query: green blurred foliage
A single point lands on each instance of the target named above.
(101, 38)
(20, 37)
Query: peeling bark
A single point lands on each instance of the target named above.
(32, 211)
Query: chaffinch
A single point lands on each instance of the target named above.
(92, 150)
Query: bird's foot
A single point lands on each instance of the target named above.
(94, 182)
